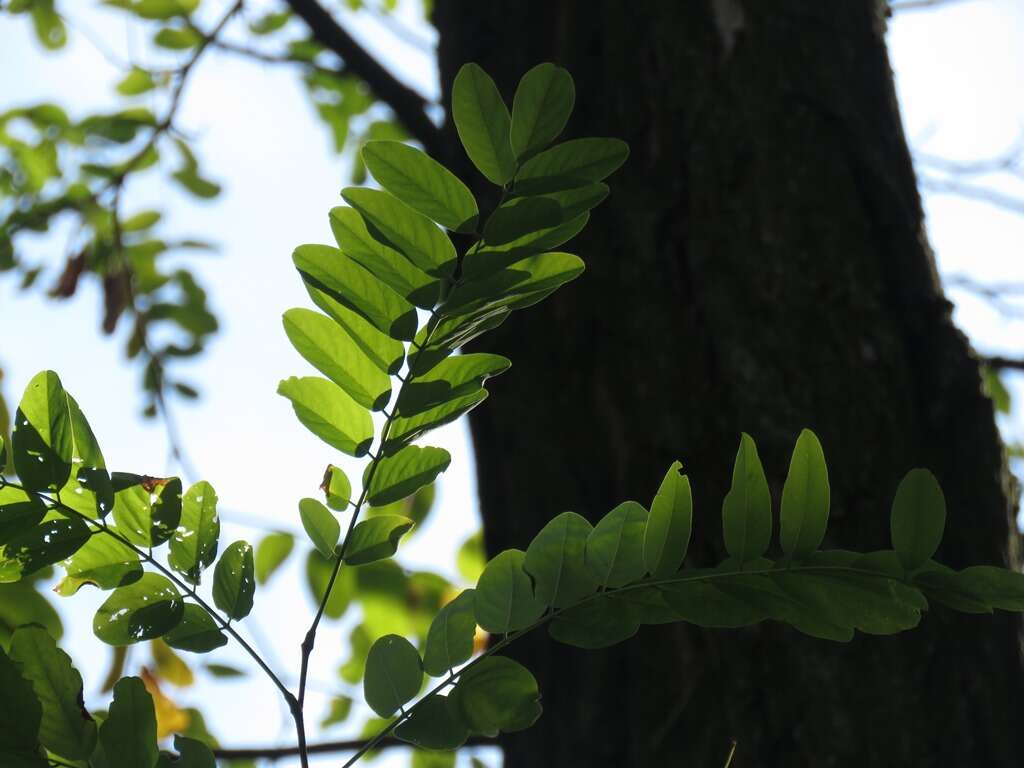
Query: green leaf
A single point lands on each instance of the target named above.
(146, 609)
(706, 605)
(450, 638)
(595, 624)
(805, 499)
(504, 599)
(22, 603)
(571, 164)
(918, 518)
(393, 675)
(340, 709)
(234, 582)
(450, 379)
(19, 512)
(321, 526)
(541, 108)
(147, 509)
(556, 561)
(337, 488)
(104, 562)
(483, 124)
(998, 587)
(387, 265)
(747, 507)
(386, 353)
(406, 429)
(51, 435)
(422, 183)
(335, 354)
(177, 39)
(66, 727)
(488, 259)
(197, 632)
(471, 558)
(129, 732)
(523, 221)
(404, 473)
(497, 695)
(194, 546)
(49, 542)
(410, 232)
(434, 724)
(376, 538)
(615, 548)
(667, 536)
(191, 754)
(137, 81)
(20, 710)
(328, 412)
(350, 284)
(943, 585)
(517, 286)
(271, 553)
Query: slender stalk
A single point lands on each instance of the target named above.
(309, 642)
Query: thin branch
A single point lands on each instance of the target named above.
(1001, 363)
(408, 105)
(974, 192)
(323, 748)
(921, 5)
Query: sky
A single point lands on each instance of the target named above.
(960, 74)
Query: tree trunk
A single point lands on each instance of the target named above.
(761, 266)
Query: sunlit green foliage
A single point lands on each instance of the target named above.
(398, 301)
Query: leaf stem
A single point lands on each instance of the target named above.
(309, 641)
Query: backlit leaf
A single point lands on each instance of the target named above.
(497, 695)
(321, 526)
(453, 378)
(504, 599)
(405, 472)
(556, 561)
(918, 518)
(194, 545)
(328, 412)
(197, 632)
(434, 724)
(747, 508)
(234, 581)
(148, 608)
(483, 124)
(615, 548)
(667, 536)
(410, 232)
(450, 638)
(541, 108)
(393, 674)
(422, 183)
(66, 727)
(376, 538)
(336, 355)
(271, 552)
(129, 732)
(104, 562)
(350, 284)
(805, 499)
(574, 163)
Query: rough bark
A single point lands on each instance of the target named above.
(760, 266)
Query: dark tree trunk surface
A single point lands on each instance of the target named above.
(760, 266)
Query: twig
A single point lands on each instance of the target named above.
(1000, 363)
(408, 105)
(322, 748)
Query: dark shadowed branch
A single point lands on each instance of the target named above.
(408, 105)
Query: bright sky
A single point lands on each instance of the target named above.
(960, 75)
